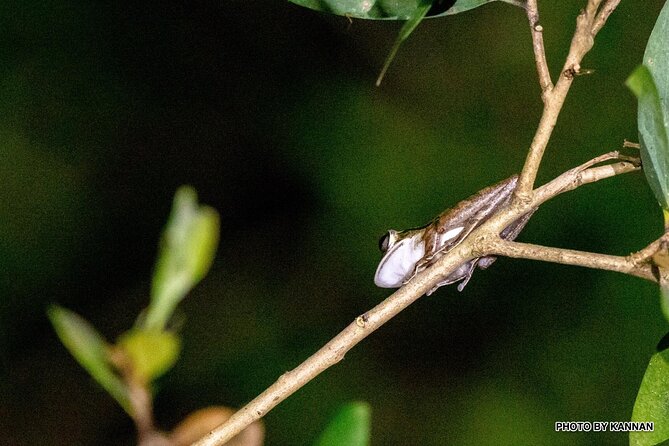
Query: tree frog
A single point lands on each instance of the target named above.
(408, 252)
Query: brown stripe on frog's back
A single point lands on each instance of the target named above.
(469, 214)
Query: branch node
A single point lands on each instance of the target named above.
(361, 321)
(571, 72)
(631, 145)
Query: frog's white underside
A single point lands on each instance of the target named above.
(399, 262)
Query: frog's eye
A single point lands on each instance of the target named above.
(387, 240)
(384, 242)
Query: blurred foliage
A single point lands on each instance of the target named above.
(410, 10)
(656, 58)
(270, 111)
(187, 250)
(349, 426)
(186, 253)
(409, 26)
(151, 353)
(650, 83)
(90, 350)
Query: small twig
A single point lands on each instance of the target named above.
(603, 15)
(570, 257)
(537, 32)
(631, 145)
(644, 255)
(586, 25)
(587, 173)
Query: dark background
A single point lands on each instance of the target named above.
(270, 111)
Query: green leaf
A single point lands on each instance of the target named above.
(652, 133)
(90, 350)
(350, 426)
(656, 58)
(664, 300)
(152, 353)
(391, 9)
(417, 16)
(651, 86)
(652, 402)
(186, 252)
(413, 11)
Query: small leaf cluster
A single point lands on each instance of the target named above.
(149, 349)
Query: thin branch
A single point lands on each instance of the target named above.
(537, 32)
(603, 15)
(631, 145)
(583, 40)
(571, 257)
(586, 173)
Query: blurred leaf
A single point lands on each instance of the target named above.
(199, 423)
(187, 249)
(391, 9)
(652, 133)
(417, 16)
(90, 350)
(350, 426)
(656, 57)
(652, 402)
(152, 353)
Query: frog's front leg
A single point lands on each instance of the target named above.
(462, 274)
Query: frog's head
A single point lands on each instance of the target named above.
(402, 250)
